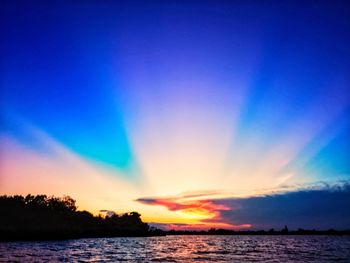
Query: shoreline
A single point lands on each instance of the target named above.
(75, 237)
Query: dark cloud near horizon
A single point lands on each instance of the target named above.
(320, 206)
(317, 208)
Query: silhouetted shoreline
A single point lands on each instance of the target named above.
(41, 217)
(50, 218)
(260, 232)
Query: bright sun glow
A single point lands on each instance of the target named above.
(174, 111)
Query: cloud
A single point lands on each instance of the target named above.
(320, 206)
(176, 204)
(207, 212)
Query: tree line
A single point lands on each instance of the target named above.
(47, 217)
(40, 217)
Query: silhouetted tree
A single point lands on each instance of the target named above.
(40, 216)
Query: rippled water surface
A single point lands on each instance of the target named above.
(183, 249)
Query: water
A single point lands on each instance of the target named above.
(182, 249)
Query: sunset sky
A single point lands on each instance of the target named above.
(196, 114)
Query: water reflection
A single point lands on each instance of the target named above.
(183, 249)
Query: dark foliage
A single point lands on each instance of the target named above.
(42, 217)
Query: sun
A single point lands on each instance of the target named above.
(197, 213)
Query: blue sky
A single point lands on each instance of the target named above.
(180, 95)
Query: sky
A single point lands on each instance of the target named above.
(196, 114)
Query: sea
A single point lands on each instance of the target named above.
(182, 249)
